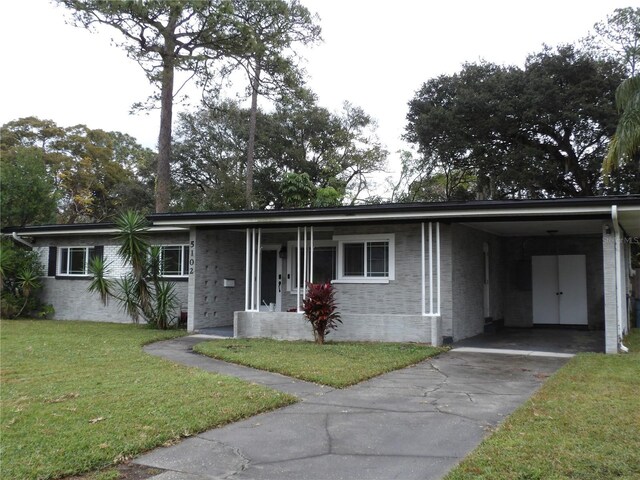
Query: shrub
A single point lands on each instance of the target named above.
(20, 272)
(320, 309)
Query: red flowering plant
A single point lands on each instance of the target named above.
(320, 308)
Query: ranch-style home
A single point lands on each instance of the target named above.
(423, 272)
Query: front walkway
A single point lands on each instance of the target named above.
(414, 423)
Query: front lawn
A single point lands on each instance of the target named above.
(337, 364)
(77, 396)
(584, 423)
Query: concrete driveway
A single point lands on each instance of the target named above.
(414, 423)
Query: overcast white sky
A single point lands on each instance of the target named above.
(375, 54)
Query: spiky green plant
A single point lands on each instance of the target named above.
(142, 292)
(28, 282)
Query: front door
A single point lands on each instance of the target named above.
(269, 272)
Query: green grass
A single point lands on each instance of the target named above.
(584, 423)
(337, 364)
(79, 396)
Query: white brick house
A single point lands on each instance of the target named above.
(423, 272)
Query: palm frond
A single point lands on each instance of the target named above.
(99, 283)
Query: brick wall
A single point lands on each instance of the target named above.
(354, 327)
(70, 296)
(219, 254)
(467, 279)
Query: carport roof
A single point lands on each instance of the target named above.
(491, 213)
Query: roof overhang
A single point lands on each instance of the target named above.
(508, 217)
(60, 230)
(276, 218)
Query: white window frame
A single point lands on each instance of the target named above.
(87, 258)
(390, 238)
(291, 259)
(184, 267)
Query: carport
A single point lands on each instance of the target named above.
(558, 281)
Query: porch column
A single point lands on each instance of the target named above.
(252, 270)
(433, 274)
(610, 290)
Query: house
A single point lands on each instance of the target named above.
(423, 272)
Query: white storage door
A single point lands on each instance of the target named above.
(572, 274)
(559, 289)
(544, 271)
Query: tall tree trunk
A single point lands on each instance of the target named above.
(163, 178)
(255, 85)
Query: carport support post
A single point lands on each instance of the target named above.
(610, 290)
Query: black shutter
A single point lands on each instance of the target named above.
(98, 252)
(53, 257)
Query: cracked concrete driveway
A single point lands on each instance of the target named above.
(414, 423)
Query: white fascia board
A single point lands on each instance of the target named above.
(424, 215)
(97, 231)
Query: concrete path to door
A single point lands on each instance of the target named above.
(414, 423)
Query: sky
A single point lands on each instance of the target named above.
(375, 54)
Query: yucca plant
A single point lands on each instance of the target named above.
(142, 292)
(28, 282)
(320, 309)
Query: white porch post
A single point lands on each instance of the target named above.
(311, 252)
(259, 271)
(422, 275)
(430, 268)
(298, 273)
(434, 314)
(438, 262)
(253, 269)
(247, 273)
(304, 275)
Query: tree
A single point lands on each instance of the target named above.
(142, 293)
(507, 132)
(337, 151)
(272, 29)
(94, 174)
(618, 38)
(209, 160)
(625, 143)
(297, 190)
(163, 36)
(28, 190)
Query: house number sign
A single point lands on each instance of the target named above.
(192, 259)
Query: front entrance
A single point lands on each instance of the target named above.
(270, 280)
(559, 289)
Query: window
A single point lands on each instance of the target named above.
(75, 260)
(366, 258)
(324, 263)
(174, 260)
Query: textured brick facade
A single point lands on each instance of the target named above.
(363, 328)
(219, 255)
(70, 296)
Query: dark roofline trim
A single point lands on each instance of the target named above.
(349, 214)
(391, 208)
